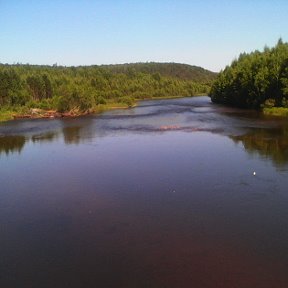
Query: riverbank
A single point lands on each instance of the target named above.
(8, 114)
(5, 115)
(276, 111)
(37, 113)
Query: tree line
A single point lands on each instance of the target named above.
(86, 87)
(172, 70)
(254, 80)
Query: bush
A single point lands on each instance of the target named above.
(100, 100)
(129, 101)
(269, 103)
(276, 111)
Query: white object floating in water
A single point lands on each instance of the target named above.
(254, 173)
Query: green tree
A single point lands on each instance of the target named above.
(253, 78)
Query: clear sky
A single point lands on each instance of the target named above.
(205, 33)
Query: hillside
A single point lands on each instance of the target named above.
(86, 88)
(172, 70)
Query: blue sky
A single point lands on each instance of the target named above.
(204, 33)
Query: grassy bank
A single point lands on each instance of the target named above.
(5, 115)
(9, 113)
(276, 111)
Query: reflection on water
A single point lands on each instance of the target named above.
(263, 135)
(45, 137)
(11, 144)
(71, 135)
(154, 196)
(270, 143)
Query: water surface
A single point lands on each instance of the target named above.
(161, 195)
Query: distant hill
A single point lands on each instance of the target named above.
(172, 70)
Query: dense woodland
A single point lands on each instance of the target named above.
(258, 79)
(171, 70)
(84, 88)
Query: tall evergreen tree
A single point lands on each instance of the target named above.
(254, 78)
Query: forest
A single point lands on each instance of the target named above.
(86, 88)
(255, 80)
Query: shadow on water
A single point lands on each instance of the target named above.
(45, 137)
(72, 135)
(11, 144)
(268, 143)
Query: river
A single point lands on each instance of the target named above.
(172, 193)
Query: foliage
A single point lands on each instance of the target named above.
(254, 78)
(170, 70)
(5, 115)
(276, 111)
(85, 88)
(129, 101)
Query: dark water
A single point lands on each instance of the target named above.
(162, 195)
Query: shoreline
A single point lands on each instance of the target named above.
(275, 111)
(37, 113)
